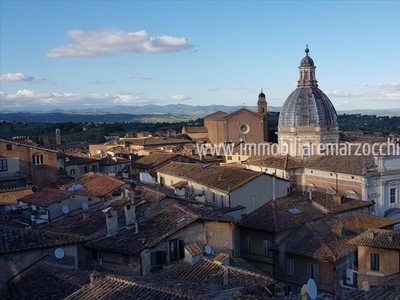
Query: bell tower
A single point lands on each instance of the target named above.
(262, 110)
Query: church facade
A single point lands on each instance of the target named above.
(241, 125)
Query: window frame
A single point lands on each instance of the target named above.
(392, 197)
(375, 264)
(290, 266)
(3, 165)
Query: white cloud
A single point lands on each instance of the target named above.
(389, 85)
(110, 41)
(16, 77)
(390, 95)
(30, 99)
(180, 98)
(344, 94)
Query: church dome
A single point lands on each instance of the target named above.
(307, 105)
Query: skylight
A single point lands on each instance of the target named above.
(294, 211)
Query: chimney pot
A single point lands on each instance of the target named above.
(390, 238)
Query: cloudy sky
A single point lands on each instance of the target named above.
(70, 54)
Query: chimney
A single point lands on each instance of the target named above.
(390, 237)
(339, 199)
(371, 234)
(179, 288)
(337, 229)
(214, 281)
(130, 215)
(95, 277)
(226, 276)
(112, 222)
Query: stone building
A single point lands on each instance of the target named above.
(243, 124)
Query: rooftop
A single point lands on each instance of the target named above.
(379, 238)
(116, 288)
(152, 160)
(320, 240)
(275, 216)
(45, 197)
(221, 178)
(15, 239)
(11, 196)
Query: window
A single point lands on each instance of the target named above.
(247, 245)
(214, 197)
(3, 165)
(374, 262)
(313, 271)
(266, 244)
(306, 151)
(72, 172)
(176, 250)
(158, 258)
(222, 201)
(94, 168)
(229, 157)
(9, 147)
(37, 159)
(172, 182)
(290, 266)
(392, 196)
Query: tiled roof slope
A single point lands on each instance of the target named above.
(45, 282)
(151, 232)
(221, 178)
(200, 272)
(327, 203)
(101, 186)
(46, 197)
(152, 160)
(318, 239)
(116, 288)
(275, 217)
(348, 164)
(14, 239)
(11, 196)
(315, 240)
(194, 249)
(379, 238)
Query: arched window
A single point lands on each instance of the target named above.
(37, 159)
(330, 191)
(352, 195)
(311, 187)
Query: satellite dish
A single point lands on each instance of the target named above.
(312, 288)
(106, 210)
(98, 151)
(34, 189)
(131, 194)
(85, 206)
(59, 253)
(207, 248)
(65, 209)
(337, 287)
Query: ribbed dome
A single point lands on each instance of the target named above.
(308, 107)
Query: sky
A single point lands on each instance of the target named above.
(94, 54)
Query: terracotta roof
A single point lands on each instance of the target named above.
(14, 239)
(221, 178)
(316, 240)
(27, 145)
(199, 129)
(152, 160)
(47, 282)
(180, 184)
(45, 197)
(161, 141)
(116, 288)
(275, 216)
(379, 238)
(218, 115)
(151, 232)
(387, 288)
(349, 164)
(103, 185)
(11, 196)
(326, 203)
(200, 272)
(78, 159)
(321, 240)
(221, 257)
(194, 249)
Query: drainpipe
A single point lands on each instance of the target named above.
(32, 264)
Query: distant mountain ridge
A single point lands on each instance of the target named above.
(184, 109)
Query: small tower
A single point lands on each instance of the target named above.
(58, 137)
(262, 109)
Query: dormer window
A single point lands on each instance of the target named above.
(37, 159)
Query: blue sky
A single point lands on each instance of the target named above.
(70, 54)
